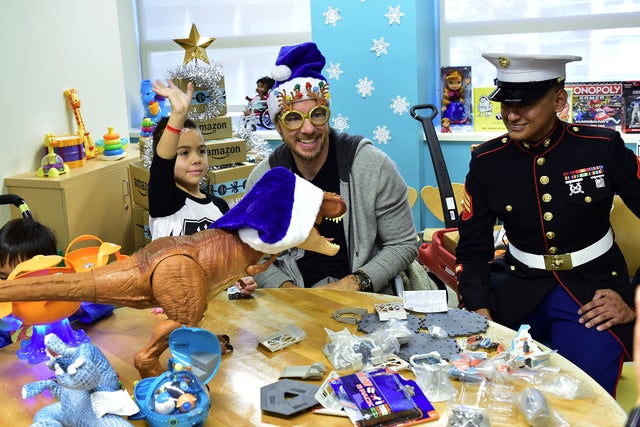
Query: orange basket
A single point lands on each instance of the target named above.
(41, 312)
(86, 258)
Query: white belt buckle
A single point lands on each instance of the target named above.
(558, 262)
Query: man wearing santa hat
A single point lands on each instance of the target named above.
(377, 236)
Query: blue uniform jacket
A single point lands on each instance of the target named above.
(553, 196)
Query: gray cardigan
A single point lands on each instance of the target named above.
(378, 226)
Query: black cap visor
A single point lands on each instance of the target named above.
(522, 93)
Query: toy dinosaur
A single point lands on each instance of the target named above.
(181, 274)
(80, 372)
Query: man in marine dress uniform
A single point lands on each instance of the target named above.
(551, 184)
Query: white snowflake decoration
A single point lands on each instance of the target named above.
(331, 16)
(380, 47)
(340, 123)
(394, 15)
(382, 135)
(365, 87)
(334, 71)
(399, 105)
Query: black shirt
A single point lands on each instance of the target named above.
(315, 266)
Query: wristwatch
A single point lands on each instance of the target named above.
(364, 281)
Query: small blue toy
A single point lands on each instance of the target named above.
(152, 103)
(179, 397)
(80, 372)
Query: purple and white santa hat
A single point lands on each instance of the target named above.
(276, 214)
(298, 76)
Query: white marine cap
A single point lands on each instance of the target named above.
(526, 78)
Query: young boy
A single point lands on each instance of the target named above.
(23, 238)
(177, 206)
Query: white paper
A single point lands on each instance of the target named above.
(113, 402)
(433, 301)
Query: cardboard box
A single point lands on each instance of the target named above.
(216, 128)
(631, 106)
(226, 151)
(223, 96)
(597, 103)
(229, 183)
(141, 232)
(139, 182)
(202, 96)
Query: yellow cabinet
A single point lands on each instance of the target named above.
(93, 199)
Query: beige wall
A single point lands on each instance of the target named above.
(49, 46)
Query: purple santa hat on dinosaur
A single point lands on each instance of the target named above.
(298, 76)
(276, 214)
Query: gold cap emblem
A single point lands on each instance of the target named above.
(504, 62)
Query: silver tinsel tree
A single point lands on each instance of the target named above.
(209, 92)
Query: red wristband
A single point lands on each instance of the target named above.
(172, 129)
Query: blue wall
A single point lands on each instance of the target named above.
(408, 70)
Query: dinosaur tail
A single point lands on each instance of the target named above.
(58, 287)
(116, 283)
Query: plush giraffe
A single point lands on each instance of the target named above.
(74, 102)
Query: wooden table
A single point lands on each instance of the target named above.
(235, 389)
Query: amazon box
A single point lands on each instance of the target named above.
(139, 181)
(216, 128)
(141, 232)
(230, 182)
(226, 151)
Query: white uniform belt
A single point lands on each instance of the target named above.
(564, 261)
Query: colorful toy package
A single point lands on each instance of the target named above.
(566, 114)
(486, 114)
(382, 397)
(597, 103)
(631, 106)
(456, 109)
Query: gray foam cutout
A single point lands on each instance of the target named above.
(457, 322)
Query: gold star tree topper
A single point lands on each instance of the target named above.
(194, 47)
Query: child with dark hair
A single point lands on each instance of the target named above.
(263, 86)
(23, 238)
(177, 205)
